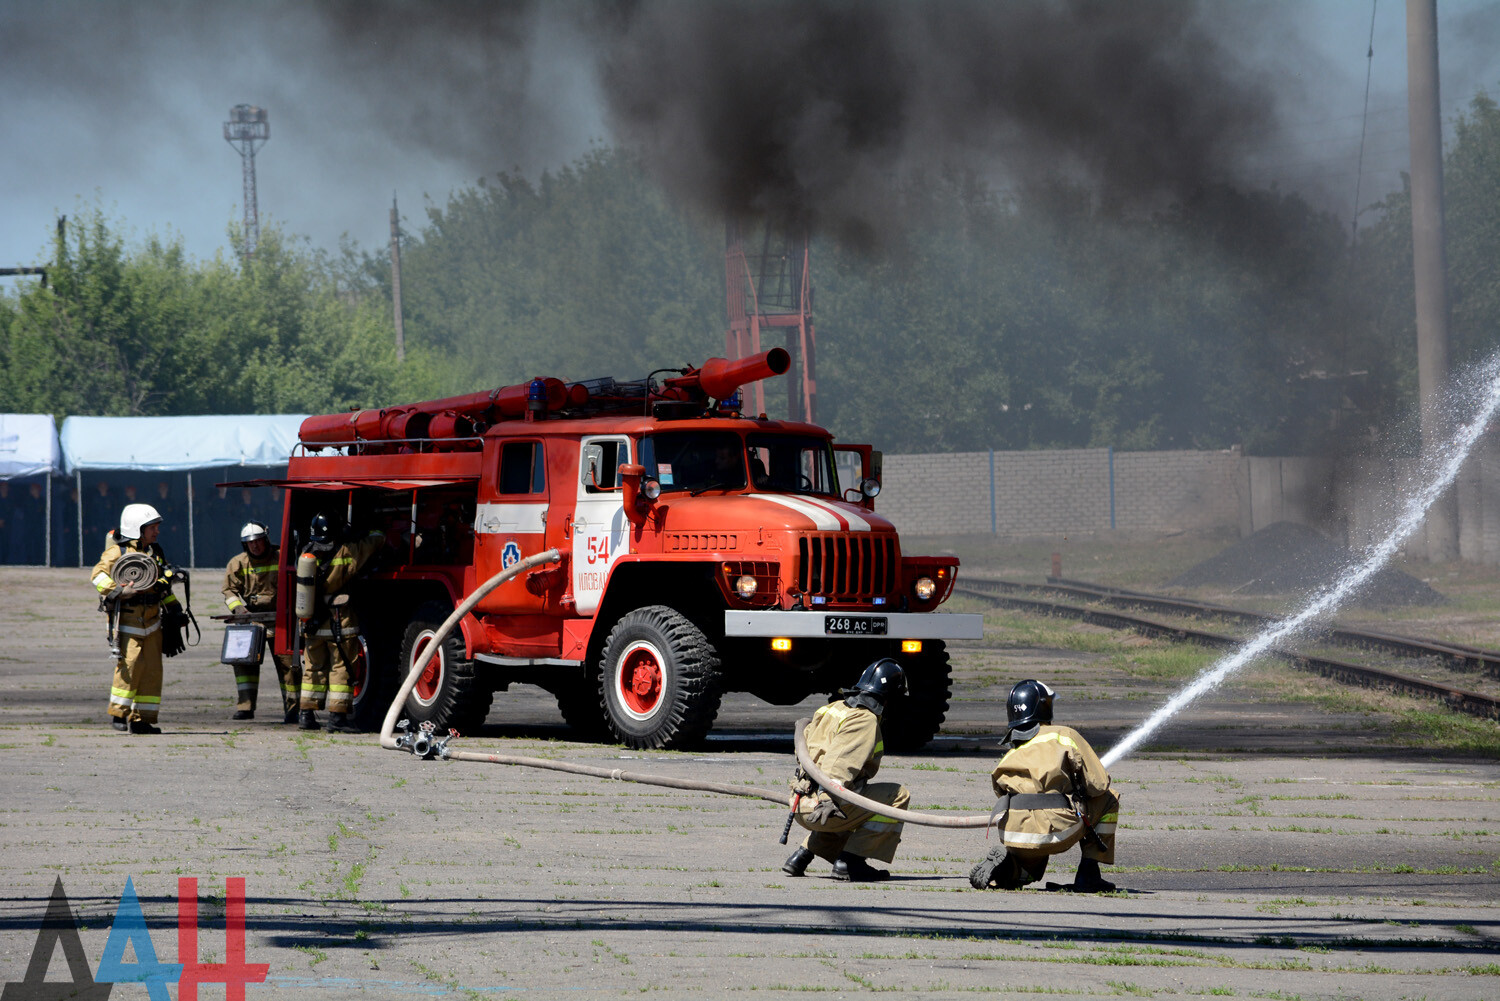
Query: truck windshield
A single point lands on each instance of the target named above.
(696, 461)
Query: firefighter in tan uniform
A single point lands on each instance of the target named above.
(1054, 794)
(331, 640)
(250, 586)
(844, 741)
(135, 693)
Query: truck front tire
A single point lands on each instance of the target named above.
(659, 679)
(447, 693)
(915, 718)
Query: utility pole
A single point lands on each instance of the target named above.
(1428, 256)
(396, 281)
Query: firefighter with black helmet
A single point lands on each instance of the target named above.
(1054, 794)
(250, 587)
(146, 618)
(845, 742)
(331, 634)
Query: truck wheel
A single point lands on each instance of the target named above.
(368, 696)
(659, 679)
(911, 721)
(447, 693)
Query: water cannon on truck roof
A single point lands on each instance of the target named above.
(706, 550)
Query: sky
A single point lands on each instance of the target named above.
(121, 105)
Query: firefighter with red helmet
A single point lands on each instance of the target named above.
(146, 619)
(331, 636)
(1054, 794)
(249, 587)
(845, 742)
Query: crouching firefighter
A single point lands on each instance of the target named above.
(844, 741)
(328, 624)
(1054, 794)
(134, 581)
(250, 591)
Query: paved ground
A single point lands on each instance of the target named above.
(1276, 851)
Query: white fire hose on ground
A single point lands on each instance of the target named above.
(390, 741)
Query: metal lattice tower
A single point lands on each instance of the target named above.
(247, 130)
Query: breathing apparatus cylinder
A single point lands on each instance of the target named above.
(306, 602)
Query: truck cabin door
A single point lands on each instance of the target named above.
(512, 524)
(600, 530)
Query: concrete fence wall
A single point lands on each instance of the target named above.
(1081, 490)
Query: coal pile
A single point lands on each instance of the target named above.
(1287, 558)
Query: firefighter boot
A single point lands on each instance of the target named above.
(290, 716)
(307, 720)
(981, 877)
(341, 723)
(1088, 879)
(243, 714)
(798, 862)
(142, 727)
(854, 869)
(119, 724)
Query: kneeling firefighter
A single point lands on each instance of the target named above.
(1054, 793)
(250, 589)
(845, 742)
(330, 627)
(146, 620)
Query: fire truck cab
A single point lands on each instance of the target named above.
(704, 551)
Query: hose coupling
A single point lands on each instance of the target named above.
(422, 741)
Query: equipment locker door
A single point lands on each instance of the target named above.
(600, 530)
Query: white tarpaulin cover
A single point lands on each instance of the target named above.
(157, 443)
(28, 445)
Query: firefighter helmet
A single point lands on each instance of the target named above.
(250, 532)
(136, 517)
(321, 531)
(881, 680)
(1029, 706)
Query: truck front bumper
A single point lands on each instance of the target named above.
(815, 624)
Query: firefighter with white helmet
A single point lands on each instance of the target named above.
(1054, 794)
(332, 632)
(147, 619)
(845, 742)
(250, 587)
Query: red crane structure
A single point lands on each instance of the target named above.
(770, 289)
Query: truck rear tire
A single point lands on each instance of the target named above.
(659, 679)
(578, 701)
(915, 718)
(448, 693)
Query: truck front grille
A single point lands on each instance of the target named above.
(846, 567)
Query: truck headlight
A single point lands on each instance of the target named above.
(651, 489)
(870, 487)
(924, 588)
(745, 587)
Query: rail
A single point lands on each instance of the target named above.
(1471, 703)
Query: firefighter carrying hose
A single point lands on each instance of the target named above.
(146, 619)
(844, 741)
(331, 631)
(249, 588)
(1054, 794)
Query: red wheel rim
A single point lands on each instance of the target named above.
(359, 672)
(431, 680)
(640, 679)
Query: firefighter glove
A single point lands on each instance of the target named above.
(825, 811)
(173, 631)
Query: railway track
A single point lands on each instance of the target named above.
(1018, 595)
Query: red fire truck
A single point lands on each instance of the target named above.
(705, 550)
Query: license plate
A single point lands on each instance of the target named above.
(854, 625)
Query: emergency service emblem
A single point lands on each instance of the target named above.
(510, 554)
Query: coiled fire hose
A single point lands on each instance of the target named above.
(389, 740)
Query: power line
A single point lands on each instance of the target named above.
(1360, 168)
